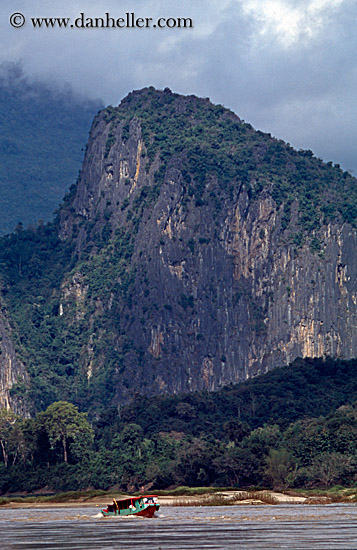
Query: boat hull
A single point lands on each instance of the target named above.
(144, 506)
(147, 512)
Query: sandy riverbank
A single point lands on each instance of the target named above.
(234, 498)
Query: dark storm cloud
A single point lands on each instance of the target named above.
(287, 67)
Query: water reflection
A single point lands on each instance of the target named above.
(215, 528)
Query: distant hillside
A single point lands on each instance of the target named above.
(307, 388)
(43, 134)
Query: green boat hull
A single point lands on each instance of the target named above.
(135, 506)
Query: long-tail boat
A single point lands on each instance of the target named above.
(145, 505)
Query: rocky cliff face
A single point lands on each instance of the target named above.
(12, 372)
(308, 299)
(193, 252)
(227, 274)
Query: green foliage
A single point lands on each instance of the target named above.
(43, 133)
(65, 340)
(211, 142)
(315, 244)
(110, 141)
(148, 194)
(63, 422)
(281, 468)
(272, 430)
(34, 263)
(11, 440)
(196, 439)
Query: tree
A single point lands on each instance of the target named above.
(238, 466)
(194, 463)
(11, 436)
(235, 430)
(129, 456)
(129, 441)
(281, 468)
(63, 422)
(328, 468)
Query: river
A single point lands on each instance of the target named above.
(288, 527)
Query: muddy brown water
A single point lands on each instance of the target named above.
(294, 527)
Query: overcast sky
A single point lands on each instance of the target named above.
(287, 67)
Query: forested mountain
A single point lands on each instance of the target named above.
(193, 252)
(43, 133)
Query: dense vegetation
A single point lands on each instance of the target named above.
(206, 141)
(33, 263)
(293, 427)
(43, 133)
(213, 142)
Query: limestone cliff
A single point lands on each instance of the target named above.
(194, 252)
(228, 283)
(12, 372)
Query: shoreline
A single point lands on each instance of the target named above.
(229, 498)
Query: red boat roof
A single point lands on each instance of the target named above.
(135, 498)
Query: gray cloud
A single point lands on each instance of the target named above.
(287, 67)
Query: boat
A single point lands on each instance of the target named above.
(145, 506)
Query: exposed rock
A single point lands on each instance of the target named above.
(221, 296)
(190, 273)
(12, 372)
